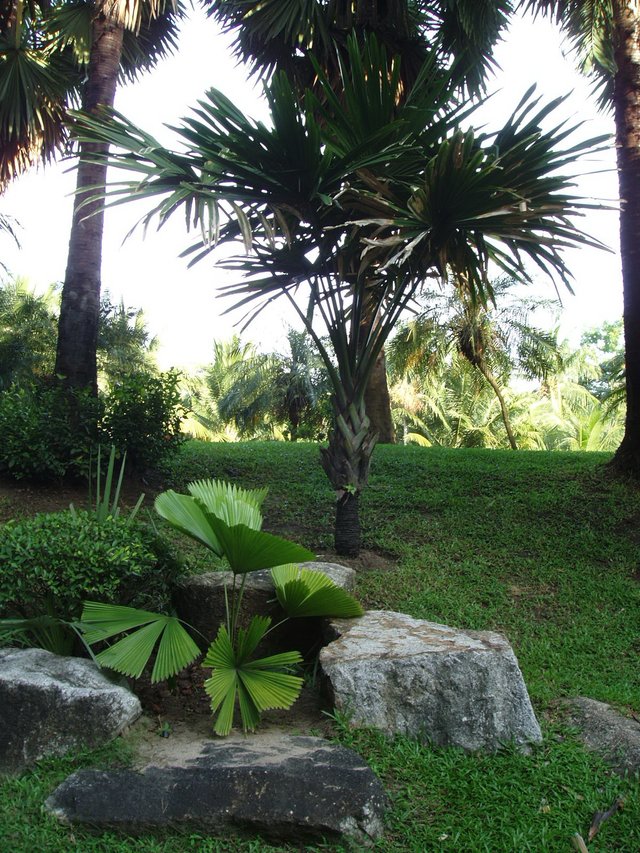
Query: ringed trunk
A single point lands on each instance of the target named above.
(627, 120)
(80, 305)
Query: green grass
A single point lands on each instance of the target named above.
(542, 547)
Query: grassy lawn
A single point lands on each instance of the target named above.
(542, 547)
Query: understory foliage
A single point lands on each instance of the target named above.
(49, 431)
(53, 562)
(227, 520)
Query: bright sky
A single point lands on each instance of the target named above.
(180, 305)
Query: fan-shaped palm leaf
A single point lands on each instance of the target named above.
(303, 592)
(130, 655)
(258, 685)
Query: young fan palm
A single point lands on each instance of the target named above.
(345, 208)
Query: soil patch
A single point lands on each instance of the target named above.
(178, 722)
(23, 499)
(366, 561)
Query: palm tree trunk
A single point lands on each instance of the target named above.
(346, 463)
(627, 119)
(80, 306)
(503, 405)
(378, 403)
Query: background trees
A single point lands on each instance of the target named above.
(606, 37)
(53, 56)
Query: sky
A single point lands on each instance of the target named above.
(180, 304)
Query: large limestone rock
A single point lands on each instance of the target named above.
(284, 787)
(408, 676)
(200, 602)
(50, 705)
(607, 732)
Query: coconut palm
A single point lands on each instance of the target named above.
(346, 208)
(495, 338)
(606, 37)
(56, 55)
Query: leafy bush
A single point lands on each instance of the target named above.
(143, 416)
(46, 430)
(52, 562)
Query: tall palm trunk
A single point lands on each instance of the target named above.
(504, 410)
(627, 119)
(80, 306)
(378, 402)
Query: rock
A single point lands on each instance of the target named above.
(199, 601)
(283, 787)
(50, 705)
(407, 676)
(603, 730)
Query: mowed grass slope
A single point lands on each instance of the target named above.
(542, 547)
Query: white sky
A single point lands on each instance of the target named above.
(180, 305)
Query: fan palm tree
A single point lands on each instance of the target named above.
(495, 338)
(606, 37)
(53, 56)
(346, 208)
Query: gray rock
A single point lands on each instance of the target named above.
(603, 730)
(200, 602)
(283, 787)
(407, 676)
(50, 705)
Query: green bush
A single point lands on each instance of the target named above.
(52, 562)
(46, 431)
(143, 416)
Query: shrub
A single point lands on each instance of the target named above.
(46, 430)
(143, 416)
(52, 562)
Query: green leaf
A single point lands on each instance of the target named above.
(303, 592)
(258, 685)
(249, 550)
(187, 515)
(131, 654)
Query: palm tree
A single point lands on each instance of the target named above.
(56, 55)
(282, 392)
(495, 338)
(606, 37)
(272, 36)
(345, 209)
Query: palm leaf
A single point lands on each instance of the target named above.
(249, 550)
(303, 592)
(229, 502)
(258, 685)
(185, 514)
(130, 655)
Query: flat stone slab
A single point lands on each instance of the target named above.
(50, 705)
(604, 730)
(200, 602)
(408, 676)
(279, 786)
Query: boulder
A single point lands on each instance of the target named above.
(279, 786)
(446, 686)
(50, 705)
(199, 600)
(604, 730)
